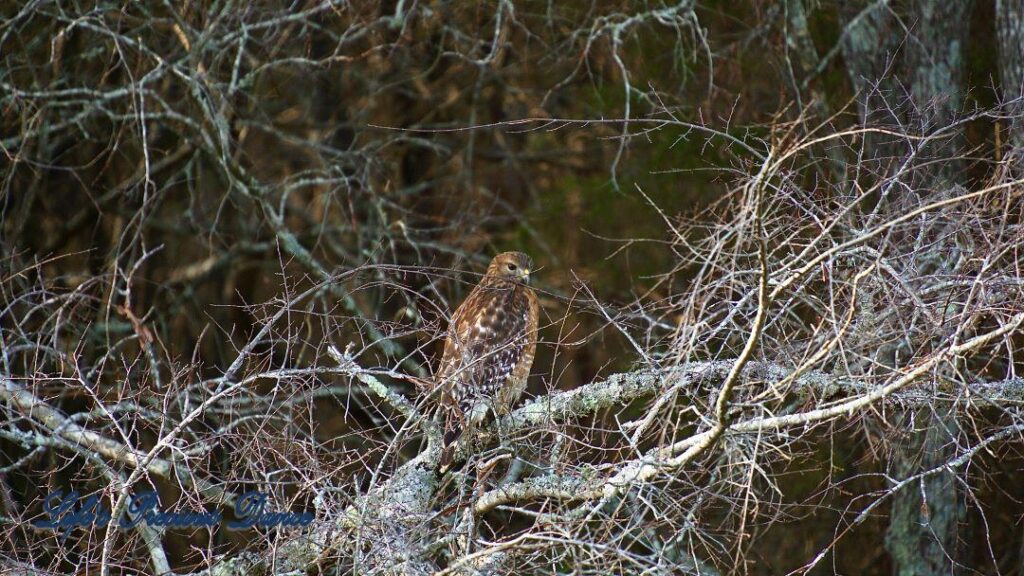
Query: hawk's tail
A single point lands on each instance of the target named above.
(451, 437)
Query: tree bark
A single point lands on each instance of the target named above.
(1010, 143)
(934, 61)
(926, 524)
(1010, 29)
(924, 534)
(869, 41)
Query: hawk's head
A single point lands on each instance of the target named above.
(514, 266)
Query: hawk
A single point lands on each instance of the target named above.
(489, 348)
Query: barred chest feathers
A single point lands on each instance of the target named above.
(490, 346)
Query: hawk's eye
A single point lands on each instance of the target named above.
(511, 267)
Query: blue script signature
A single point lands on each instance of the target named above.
(68, 511)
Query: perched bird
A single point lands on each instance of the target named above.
(489, 348)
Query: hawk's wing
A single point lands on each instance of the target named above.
(487, 357)
(488, 338)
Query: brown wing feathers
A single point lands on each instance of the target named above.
(489, 347)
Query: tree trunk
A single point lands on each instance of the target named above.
(934, 64)
(1010, 143)
(869, 41)
(924, 535)
(1010, 28)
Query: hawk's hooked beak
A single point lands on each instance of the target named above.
(525, 276)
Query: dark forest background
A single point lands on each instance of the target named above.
(173, 173)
